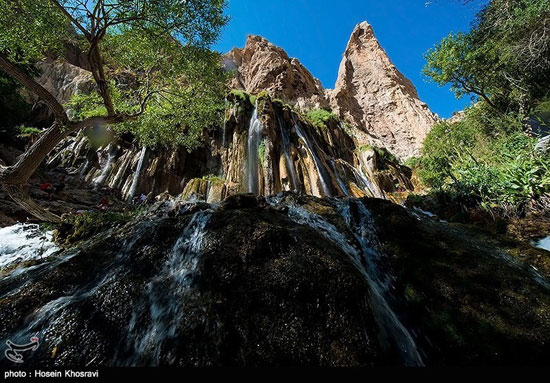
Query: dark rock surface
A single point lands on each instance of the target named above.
(286, 280)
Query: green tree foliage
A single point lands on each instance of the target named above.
(504, 59)
(496, 165)
(155, 74)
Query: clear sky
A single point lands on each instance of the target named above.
(317, 31)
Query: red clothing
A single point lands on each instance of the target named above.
(45, 186)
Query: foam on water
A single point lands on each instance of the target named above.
(24, 242)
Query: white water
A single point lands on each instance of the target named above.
(24, 242)
(339, 179)
(286, 152)
(137, 173)
(316, 161)
(254, 137)
(106, 169)
(164, 296)
(543, 244)
(364, 182)
(367, 260)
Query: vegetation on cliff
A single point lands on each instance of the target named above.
(503, 63)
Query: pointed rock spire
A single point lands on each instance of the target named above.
(378, 99)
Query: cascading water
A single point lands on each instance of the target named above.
(286, 152)
(316, 161)
(24, 242)
(100, 180)
(254, 138)
(394, 334)
(162, 307)
(339, 179)
(365, 183)
(137, 173)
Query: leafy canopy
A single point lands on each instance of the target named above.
(153, 56)
(504, 60)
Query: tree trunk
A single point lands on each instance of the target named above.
(28, 162)
(15, 177)
(19, 194)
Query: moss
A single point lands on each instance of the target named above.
(242, 96)
(213, 178)
(262, 152)
(321, 118)
(79, 227)
(365, 148)
(28, 130)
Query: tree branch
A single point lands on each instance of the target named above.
(29, 83)
(71, 18)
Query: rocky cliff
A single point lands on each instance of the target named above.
(263, 67)
(264, 148)
(372, 94)
(380, 103)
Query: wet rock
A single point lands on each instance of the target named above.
(288, 280)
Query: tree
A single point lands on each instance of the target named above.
(162, 45)
(504, 59)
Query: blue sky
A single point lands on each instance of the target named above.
(317, 31)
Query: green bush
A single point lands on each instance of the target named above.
(490, 159)
(28, 130)
(320, 118)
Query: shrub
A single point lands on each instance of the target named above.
(320, 118)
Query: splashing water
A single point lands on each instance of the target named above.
(24, 242)
(339, 179)
(254, 137)
(367, 260)
(316, 160)
(100, 180)
(543, 244)
(137, 173)
(163, 307)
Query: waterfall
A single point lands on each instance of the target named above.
(157, 319)
(137, 173)
(362, 178)
(254, 137)
(316, 160)
(24, 242)
(339, 179)
(98, 181)
(286, 152)
(367, 259)
(364, 182)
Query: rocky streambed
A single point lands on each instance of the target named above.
(286, 280)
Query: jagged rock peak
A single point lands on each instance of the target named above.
(378, 99)
(261, 66)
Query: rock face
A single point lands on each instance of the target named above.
(372, 94)
(284, 281)
(263, 148)
(64, 80)
(262, 67)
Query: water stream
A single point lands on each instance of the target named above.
(286, 152)
(316, 161)
(137, 174)
(254, 138)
